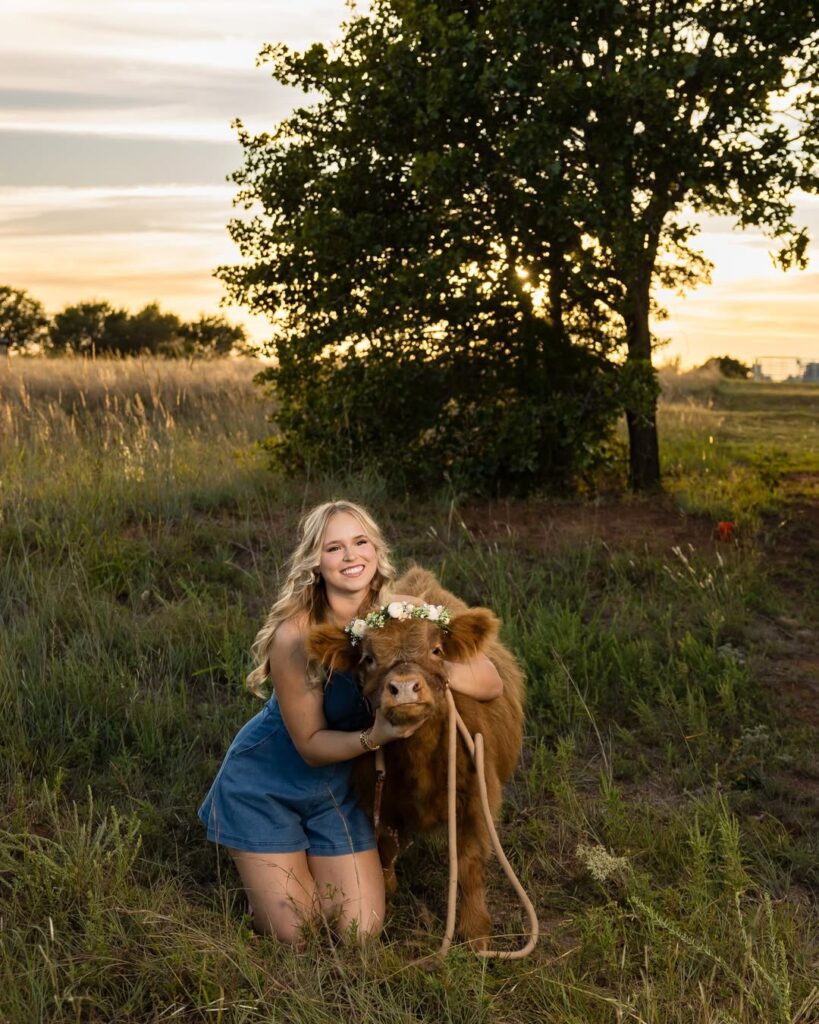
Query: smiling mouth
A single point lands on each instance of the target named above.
(354, 570)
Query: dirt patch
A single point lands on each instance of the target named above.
(652, 523)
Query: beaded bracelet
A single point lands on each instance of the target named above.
(364, 736)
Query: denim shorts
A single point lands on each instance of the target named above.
(267, 799)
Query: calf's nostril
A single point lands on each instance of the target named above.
(416, 688)
(393, 689)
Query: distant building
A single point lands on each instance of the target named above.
(785, 370)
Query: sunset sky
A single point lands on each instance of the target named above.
(116, 140)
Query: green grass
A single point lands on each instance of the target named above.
(731, 447)
(663, 817)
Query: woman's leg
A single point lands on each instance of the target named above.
(351, 889)
(281, 891)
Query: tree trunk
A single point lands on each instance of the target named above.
(644, 450)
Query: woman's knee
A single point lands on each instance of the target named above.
(281, 919)
(281, 892)
(282, 928)
(359, 918)
(351, 889)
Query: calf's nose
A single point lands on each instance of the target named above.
(404, 691)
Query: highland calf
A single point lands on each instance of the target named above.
(402, 668)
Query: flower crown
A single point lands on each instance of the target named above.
(400, 610)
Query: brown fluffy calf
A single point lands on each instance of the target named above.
(401, 667)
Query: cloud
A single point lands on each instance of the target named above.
(746, 317)
(205, 33)
(119, 211)
(51, 158)
(30, 101)
(138, 98)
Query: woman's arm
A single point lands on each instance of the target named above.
(476, 678)
(302, 705)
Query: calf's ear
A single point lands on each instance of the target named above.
(331, 646)
(468, 633)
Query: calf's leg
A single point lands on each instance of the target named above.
(388, 849)
(473, 849)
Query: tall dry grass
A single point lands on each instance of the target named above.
(36, 391)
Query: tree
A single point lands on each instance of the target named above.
(149, 330)
(87, 328)
(729, 367)
(408, 226)
(688, 108)
(473, 216)
(212, 336)
(23, 321)
(96, 327)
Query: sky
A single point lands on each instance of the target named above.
(116, 142)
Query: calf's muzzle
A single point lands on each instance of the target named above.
(405, 698)
(404, 691)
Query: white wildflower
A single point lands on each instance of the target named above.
(599, 862)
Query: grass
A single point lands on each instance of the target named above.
(730, 447)
(663, 817)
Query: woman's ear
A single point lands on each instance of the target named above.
(468, 633)
(331, 646)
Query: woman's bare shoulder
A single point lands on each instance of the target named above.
(292, 633)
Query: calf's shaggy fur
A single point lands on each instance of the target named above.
(402, 668)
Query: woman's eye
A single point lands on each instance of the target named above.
(362, 541)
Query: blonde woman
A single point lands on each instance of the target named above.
(282, 802)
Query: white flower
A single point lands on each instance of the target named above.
(396, 610)
(358, 627)
(599, 862)
(434, 611)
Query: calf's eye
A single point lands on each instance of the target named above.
(367, 660)
(438, 651)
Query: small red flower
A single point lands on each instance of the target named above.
(726, 530)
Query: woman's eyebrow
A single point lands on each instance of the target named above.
(358, 536)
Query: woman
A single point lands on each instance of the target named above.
(282, 802)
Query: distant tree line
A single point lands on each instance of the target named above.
(98, 328)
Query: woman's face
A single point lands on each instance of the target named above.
(348, 559)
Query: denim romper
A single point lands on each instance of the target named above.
(267, 799)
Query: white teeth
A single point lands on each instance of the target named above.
(355, 570)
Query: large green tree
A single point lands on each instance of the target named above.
(466, 227)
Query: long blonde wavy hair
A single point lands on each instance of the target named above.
(303, 588)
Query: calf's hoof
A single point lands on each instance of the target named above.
(476, 931)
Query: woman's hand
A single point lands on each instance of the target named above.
(383, 731)
(476, 678)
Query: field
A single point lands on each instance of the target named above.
(664, 818)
